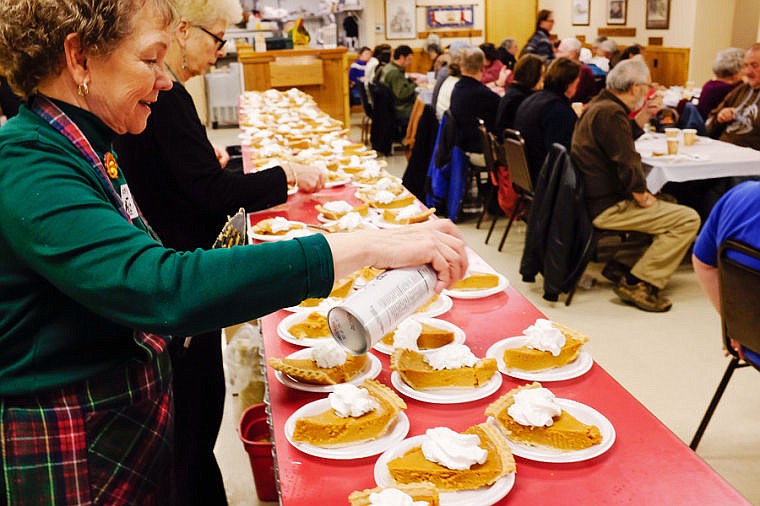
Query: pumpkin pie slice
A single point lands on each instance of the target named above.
(362, 209)
(327, 429)
(396, 217)
(413, 467)
(398, 202)
(306, 370)
(276, 226)
(566, 433)
(430, 338)
(425, 492)
(530, 359)
(313, 327)
(477, 281)
(341, 289)
(420, 375)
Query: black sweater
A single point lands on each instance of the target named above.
(472, 100)
(176, 179)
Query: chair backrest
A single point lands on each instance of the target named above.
(739, 282)
(488, 148)
(514, 151)
(366, 105)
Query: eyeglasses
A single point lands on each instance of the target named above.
(220, 42)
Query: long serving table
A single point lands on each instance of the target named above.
(647, 464)
(706, 159)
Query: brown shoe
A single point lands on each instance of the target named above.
(643, 296)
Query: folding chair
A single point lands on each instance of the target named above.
(514, 151)
(739, 288)
(488, 154)
(366, 124)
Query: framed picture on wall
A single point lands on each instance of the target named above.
(658, 14)
(580, 12)
(616, 11)
(400, 19)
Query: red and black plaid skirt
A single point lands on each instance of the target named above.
(105, 441)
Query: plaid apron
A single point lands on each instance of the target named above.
(106, 440)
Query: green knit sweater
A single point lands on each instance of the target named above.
(76, 278)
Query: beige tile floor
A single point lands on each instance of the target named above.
(671, 362)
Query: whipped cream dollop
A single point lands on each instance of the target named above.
(452, 356)
(452, 449)
(349, 400)
(328, 354)
(354, 161)
(338, 206)
(407, 212)
(394, 497)
(406, 334)
(385, 183)
(370, 171)
(543, 336)
(350, 221)
(279, 224)
(536, 407)
(269, 149)
(384, 197)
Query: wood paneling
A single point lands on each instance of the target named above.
(322, 73)
(451, 34)
(511, 18)
(669, 65)
(616, 31)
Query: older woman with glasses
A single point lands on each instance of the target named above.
(89, 299)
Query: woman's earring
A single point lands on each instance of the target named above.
(83, 89)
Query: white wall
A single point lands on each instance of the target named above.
(713, 28)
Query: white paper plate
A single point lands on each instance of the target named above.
(485, 496)
(339, 182)
(392, 438)
(299, 232)
(447, 395)
(577, 367)
(442, 304)
(324, 306)
(459, 336)
(289, 321)
(371, 370)
(585, 414)
(479, 294)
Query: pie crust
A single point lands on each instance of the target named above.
(306, 370)
(362, 209)
(430, 337)
(529, 359)
(329, 430)
(313, 327)
(567, 433)
(419, 375)
(413, 467)
(392, 217)
(418, 491)
(265, 227)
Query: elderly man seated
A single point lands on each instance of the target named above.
(737, 118)
(571, 48)
(546, 116)
(615, 188)
(471, 100)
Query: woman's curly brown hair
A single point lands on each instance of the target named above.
(32, 33)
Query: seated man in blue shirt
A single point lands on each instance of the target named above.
(356, 75)
(735, 216)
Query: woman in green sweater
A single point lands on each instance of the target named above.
(87, 297)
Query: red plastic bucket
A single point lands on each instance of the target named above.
(257, 439)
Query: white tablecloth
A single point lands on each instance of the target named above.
(706, 159)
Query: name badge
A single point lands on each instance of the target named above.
(128, 201)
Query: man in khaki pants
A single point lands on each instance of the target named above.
(615, 187)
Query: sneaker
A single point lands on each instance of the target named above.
(614, 270)
(643, 296)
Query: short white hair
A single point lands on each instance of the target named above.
(728, 62)
(570, 44)
(627, 73)
(207, 12)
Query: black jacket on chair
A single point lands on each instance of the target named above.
(422, 152)
(559, 230)
(383, 131)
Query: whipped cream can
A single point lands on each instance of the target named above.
(366, 316)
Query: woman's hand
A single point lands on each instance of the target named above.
(436, 242)
(222, 156)
(309, 178)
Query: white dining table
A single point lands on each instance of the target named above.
(706, 159)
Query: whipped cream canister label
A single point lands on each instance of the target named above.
(365, 317)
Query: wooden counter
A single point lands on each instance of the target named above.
(322, 73)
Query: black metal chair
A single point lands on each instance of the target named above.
(514, 152)
(366, 124)
(739, 288)
(490, 158)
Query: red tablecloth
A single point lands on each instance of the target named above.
(647, 464)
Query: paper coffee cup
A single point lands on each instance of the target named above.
(689, 136)
(672, 146)
(671, 133)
